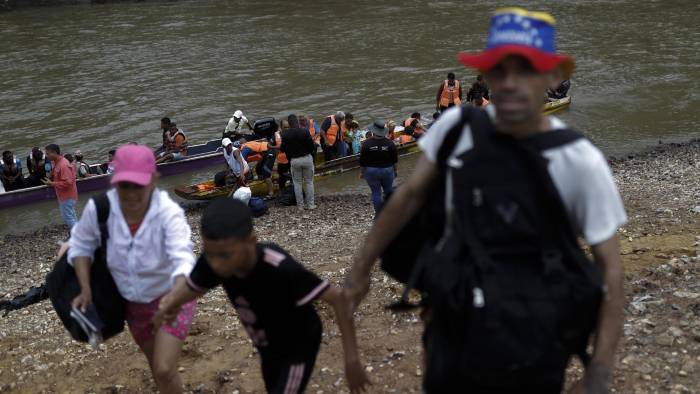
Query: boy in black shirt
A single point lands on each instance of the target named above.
(273, 295)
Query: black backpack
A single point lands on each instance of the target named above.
(512, 294)
(63, 286)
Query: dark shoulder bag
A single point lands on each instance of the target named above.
(63, 286)
(425, 228)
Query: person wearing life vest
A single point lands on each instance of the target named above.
(449, 94)
(175, 142)
(414, 123)
(332, 129)
(391, 126)
(283, 166)
(11, 172)
(82, 168)
(479, 101)
(39, 167)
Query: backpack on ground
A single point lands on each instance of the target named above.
(63, 286)
(511, 293)
(258, 206)
(287, 197)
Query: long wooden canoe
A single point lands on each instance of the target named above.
(209, 191)
(556, 105)
(199, 157)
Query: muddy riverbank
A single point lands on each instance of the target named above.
(659, 353)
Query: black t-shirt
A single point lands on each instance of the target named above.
(297, 143)
(378, 152)
(274, 302)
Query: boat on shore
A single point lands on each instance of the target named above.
(208, 190)
(556, 105)
(199, 157)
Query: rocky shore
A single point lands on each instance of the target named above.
(660, 351)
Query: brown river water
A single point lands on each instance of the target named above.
(94, 77)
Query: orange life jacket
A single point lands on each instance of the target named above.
(404, 138)
(259, 147)
(450, 94)
(172, 144)
(281, 156)
(312, 131)
(333, 130)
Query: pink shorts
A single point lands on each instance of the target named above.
(140, 320)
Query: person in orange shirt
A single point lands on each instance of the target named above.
(63, 182)
(449, 93)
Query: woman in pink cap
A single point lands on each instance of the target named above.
(149, 249)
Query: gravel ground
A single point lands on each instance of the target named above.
(660, 351)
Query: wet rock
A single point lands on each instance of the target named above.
(664, 340)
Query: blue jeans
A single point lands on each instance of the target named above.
(67, 209)
(378, 179)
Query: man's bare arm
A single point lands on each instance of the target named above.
(610, 318)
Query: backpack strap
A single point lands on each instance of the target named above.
(446, 148)
(103, 208)
(452, 137)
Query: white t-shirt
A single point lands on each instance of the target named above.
(579, 171)
(237, 127)
(233, 163)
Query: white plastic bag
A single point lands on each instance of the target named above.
(243, 194)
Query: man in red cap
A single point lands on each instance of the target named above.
(509, 192)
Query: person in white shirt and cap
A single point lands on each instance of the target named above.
(236, 166)
(235, 127)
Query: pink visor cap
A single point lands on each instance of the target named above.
(135, 164)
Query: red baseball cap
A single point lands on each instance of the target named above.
(516, 31)
(135, 164)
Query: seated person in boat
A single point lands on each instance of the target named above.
(11, 172)
(175, 142)
(355, 137)
(414, 122)
(236, 167)
(82, 169)
(165, 124)
(391, 127)
(560, 92)
(106, 168)
(406, 136)
(259, 152)
(39, 167)
(237, 127)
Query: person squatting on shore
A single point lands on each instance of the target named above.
(149, 250)
(510, 294)
(273, 295)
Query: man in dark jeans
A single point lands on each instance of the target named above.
(378, 159)
(519, 69)
(299, 148)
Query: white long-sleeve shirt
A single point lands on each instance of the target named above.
(144, 266)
